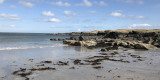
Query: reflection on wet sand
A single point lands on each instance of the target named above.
(79, 49)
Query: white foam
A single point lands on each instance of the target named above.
(13, 48)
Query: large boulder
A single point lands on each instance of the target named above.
(80, 43)
(90, 43)
(123, 44)
(87, 43)
(70, 42)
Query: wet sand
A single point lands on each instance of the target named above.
(76, 63)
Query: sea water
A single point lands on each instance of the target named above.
(16, 49)
(11, 41)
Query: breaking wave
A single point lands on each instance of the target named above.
(13, 48)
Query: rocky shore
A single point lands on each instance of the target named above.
(113, 39)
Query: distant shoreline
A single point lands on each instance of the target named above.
(103, 32)
(89, 33)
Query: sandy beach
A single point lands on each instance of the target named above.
(76, 63)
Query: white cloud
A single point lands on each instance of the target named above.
(141, 17)
(101, 3)
(47, 13)
(143, 25)
(117, 14)
(140, 2)
(125, 1)
(136, 17)
(70, 13)
(52, 20)
(1, 1)
(122, 15)
(139, 25)
(10, 17)
(12, 26)
(85, 3)
(92, 12)
(60, 3)
(26, 4)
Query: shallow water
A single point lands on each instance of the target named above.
(14, 59)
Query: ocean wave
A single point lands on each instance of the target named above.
(31, 47)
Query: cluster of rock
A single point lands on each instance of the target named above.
(114, 39)
(152, 38)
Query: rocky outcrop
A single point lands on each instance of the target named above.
(80, 43)
(145, 37)
(110, 44)
(134, 39)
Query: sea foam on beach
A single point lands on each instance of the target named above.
(13, 48)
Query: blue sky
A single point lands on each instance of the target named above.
(52, 16)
